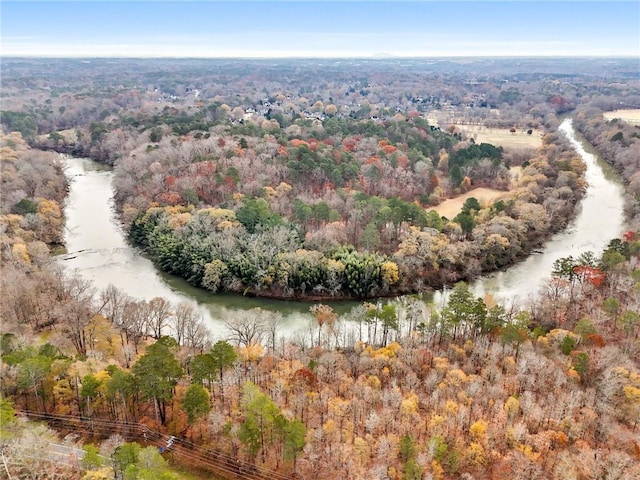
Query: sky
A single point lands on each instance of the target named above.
(283, 28)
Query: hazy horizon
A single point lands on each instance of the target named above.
(319, 57)
(271, 29)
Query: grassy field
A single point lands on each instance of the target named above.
(502, 137)
(629, 115)
(486, 196)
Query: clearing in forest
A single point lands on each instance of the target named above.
(502, 137)
(629, 115)
(485, 196)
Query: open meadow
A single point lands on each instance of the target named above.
(486, 196)
(629, 115)
(502, 137)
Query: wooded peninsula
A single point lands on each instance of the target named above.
(321, 181)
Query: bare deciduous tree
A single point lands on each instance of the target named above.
(189, 327)
(246, 328)
(159, 313)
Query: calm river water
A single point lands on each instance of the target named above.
(97, 248)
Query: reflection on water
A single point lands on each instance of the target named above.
(97, 249)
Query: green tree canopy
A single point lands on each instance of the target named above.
(196, 403)
(255, 212)
(223, 355)
(157, 372)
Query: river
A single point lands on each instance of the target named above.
(599, 219)
(97, 248)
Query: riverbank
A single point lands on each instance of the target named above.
(618, 145)
(599, 219)
(115, 262)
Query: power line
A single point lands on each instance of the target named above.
(183, 450)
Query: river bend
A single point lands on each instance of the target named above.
(97, 248)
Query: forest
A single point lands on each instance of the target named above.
(291, 197)
(291, 185)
